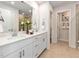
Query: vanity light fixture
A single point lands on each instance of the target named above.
(12, 2)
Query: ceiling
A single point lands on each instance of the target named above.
(25, 7)
(56, 3)
(59, 3)
(40, 2)
(20, 5)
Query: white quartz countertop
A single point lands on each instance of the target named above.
(4, 40)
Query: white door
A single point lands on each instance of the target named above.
(63, 26)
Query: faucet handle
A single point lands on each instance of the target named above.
(11, 30)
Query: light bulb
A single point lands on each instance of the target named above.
(12, 2)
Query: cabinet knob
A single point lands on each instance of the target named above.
(23, 53)
(20, 55)
(43, 39)
(36, 38)
(36, 45)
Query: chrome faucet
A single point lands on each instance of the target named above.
(14, 33)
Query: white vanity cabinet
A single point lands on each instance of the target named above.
(30, 47)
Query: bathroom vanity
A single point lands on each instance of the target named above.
(23, 46)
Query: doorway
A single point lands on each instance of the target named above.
(63, 26)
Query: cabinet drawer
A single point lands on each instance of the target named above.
(15, 54)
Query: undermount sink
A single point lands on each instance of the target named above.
(14, 36)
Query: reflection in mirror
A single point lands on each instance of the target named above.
(16, 15)
(25, 23)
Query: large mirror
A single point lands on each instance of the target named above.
(15, 16)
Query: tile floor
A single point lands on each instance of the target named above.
(60, 50)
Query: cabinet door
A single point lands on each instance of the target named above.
(35, 49)
(42, 42)
(16, 54)
(27, 51)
